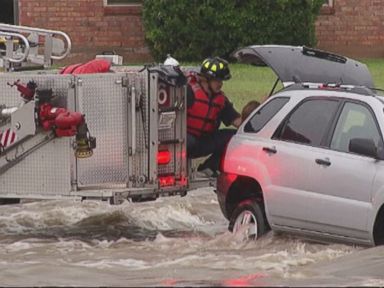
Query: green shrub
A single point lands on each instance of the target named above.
(192, 30)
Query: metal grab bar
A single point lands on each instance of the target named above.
(43, 32)
(133, 120)
(9, 50)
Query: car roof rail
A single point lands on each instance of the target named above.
(362, 90)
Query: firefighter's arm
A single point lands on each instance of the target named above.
(230, 116)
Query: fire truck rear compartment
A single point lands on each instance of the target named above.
(133, 129)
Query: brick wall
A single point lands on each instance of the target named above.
(92, 27)
(352, 27)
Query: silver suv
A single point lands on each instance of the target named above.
(310, 159)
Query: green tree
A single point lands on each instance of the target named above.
(192, 30)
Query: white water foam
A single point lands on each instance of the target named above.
(109, 263)
(166, 217)
(91, 237)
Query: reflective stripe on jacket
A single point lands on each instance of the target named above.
(204, 113)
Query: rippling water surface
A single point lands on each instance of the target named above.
(175, 241)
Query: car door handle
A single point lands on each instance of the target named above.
(324, 162)
(270, 149)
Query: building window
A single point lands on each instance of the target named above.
(122, 2)
(123, 7)
(328, 3)
(8, 12)
(328, 7)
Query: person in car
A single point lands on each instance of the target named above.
(248, 109)
(208, 107)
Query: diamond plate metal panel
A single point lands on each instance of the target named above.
(47, 171)
(103, 100)
(167, 134)
(44, 172)
(11, 97)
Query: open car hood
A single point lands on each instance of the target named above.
(294, 64)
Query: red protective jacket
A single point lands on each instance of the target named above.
(204, 113)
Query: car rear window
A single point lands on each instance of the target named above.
(265, 113)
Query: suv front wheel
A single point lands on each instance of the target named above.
(248, 219)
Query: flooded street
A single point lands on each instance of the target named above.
(175, 241)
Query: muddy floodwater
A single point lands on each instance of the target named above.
(174, 241)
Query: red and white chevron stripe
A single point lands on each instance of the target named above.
(7, 138)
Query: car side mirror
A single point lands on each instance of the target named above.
(363, 146)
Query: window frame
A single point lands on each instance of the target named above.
(16, 12)
(329, 4)
(328, 8)
(122, 9)
(106, 4)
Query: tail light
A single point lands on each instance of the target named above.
(222, 159)
(167, 180)
(163, 157)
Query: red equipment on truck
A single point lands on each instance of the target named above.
(93, 66)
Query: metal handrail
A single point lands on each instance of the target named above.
(26, 29)
(26, 48)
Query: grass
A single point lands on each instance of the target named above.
(248, 83)
(376, 67)
(254, 83)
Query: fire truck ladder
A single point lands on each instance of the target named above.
(23, 48)
(12, 155)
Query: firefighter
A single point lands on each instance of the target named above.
(207, 108)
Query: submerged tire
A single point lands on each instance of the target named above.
(249, 219)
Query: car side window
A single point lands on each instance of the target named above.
(309, 122)
(264, 114)
(355, 121)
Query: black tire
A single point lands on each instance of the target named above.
(8, 201)
(252, 212)
(143, 199)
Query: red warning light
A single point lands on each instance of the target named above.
(167, 180)
(163, 157)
